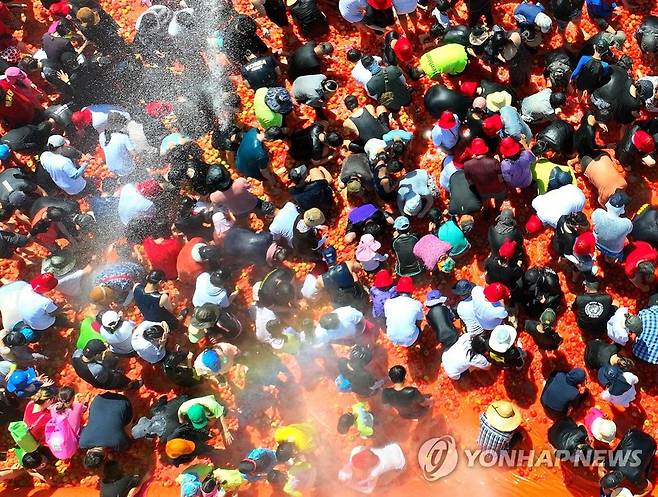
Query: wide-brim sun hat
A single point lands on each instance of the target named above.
(502, 338)
(503, 416)
(604, 430)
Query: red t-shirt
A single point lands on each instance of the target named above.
(16, 109)
(188, 269)
(638, 252)
(36, 421)
(484, 174)
(163, 255)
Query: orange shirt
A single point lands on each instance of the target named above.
(605, 176)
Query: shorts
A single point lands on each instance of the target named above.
(618, 256)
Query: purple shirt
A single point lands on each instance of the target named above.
(379, 298)
(361, 213)
(516, 173)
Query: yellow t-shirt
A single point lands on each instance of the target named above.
(541, 173)
(301, 434)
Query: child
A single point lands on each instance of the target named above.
(360, 417)
(367, 255)
(258, 464)
(382, 290)
(582, 257)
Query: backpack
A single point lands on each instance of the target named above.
(61, 439)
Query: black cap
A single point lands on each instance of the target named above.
(93, 348)
(463, 287)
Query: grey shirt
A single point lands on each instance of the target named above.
(308, 90)
(537, 107)
(611, 229)
(356, 165)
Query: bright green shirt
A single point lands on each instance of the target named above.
(87, 333)
(450, 232)
(541, 173)
(211, 405)
(266, 116)
(447, 59)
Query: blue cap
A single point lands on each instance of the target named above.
(190, 486)
(329, 255)
(211, 360)
(4, 151)
(21, 379)
(401, 223)
(29, 334)
(434, 297)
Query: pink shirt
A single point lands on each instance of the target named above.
(237, 199)
(592, 415)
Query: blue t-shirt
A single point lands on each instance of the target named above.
(581, 63)
(526, 13)
(600, 8)
(251, 156)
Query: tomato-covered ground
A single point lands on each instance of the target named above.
(457, 405)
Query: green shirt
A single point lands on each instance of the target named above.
(448, 59)
(541, 173)
(450, 232)
(214, 408)
(266, 116)
(87, 333)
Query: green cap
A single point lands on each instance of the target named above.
(197, 416)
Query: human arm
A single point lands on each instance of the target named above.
(165, 302)
(226, 434)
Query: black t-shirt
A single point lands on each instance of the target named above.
(120, 487)
(260, 72)
(511, 275)
(237, 44)
(617, 102)
(626, 153)
(598, 353)
(591, 76)
(360, 379)
(305, 143)
(645, 226)
(440, 319)
(407, 263)
(312, 22)
(563, 240)
(406, 401)
(176, 369)
(55, 47)
(67, 205)
(558, 135)
(462, 199)
(546, 340)
(645, 447)
(593, 310)
(564, 10)
(316, 193)
(30, 137)
(585, 138)
(109, 414)
(378, 86)
(565, 434)
(304, 61)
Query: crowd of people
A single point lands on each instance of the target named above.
(199, 203)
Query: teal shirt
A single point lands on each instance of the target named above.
(450, 232)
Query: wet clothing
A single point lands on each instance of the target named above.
(252, 157)
(305, 144)
(559, 393)
(598, 353)
(388, 80)
(484, 175)
(242, 246)
(149, 305)
(109, 414)
(341, 287)
(566, 435)
(546, 340)
(304, 61)
(593, 310)
(361, 380)
(311, 20)
(99, 373)
(558, 136)
(163, 255)
(613, 101)
(311, 194)
(260, 72)
(645, 447)
(406, 264)
(29, 138)
(440, 319)
(368, 126)
(645, 225)
(463, 200)
(406, 401)
(626, 153)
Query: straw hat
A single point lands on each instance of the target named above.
(313, 217)
(604, 430)
(503, 416)
(498, 100)
(367, 248)
(59, 264)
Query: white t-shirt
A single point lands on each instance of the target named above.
(262, 316)
(362, 75)
(350, 325)
(456, 360)
(148, 351)
(402, 313)
(35, 309)
(132, 205)
(467, 315)
(390, 458)
(207, 293)
(352, 10)
(488, 314)
(61, 169)
(551, 206)
(118, 153)
(283, 223)
(120, 341)
(625, 398)
(9, 299)
(226, 352)
(617, 326)
(71, 284)
(447, 171)
(99, 113)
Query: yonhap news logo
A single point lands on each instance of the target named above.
(439, 457)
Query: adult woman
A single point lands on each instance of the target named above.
(465, 355)
(116, 145)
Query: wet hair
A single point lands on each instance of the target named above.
(112, 471)
(353, 55)
(154, 332)
(333, 139)
(373, 229)
(274, 133)
(295, 175)
(28, 64)
(646, 268)
(93, 459)
(209, 252)
(285, 451)
(244, 25)
(577, 219)
(397, 374)
(415, 73)
(65, 394)
(367, 61)
(397, 148)
(326, 48)
(625, 363)
(612, 480)
(394, 166)
(14, 339)
(351, 102)
(345, 422)
(329, 321)
(435, 215)
(64, 27)
(280, 254)
(557, 99)
(55, 213)
(155, 276)
(217, 277)
(32, 460)
(209, 484)
(277, 478)
(478, 346)
(443, 5)
(437, 30)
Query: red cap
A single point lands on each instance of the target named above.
(584, 244)
(383, 279)
(496, 292)
(644, 142)
(405, 285)
(149, 188)
(468, 88)
(507, 249)
(492, 125)
(60, 9)
(158, 108)
(81, 118)
(533, 224)
(380, 4)
(365, 460)
(478, 147)
(509, 147)
(447, 120)
(44, 283)
(403, 49)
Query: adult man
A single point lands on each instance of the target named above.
(593, 309)
(488, 305)
(344, 323)
(645, 346)
(409, 402)
(61, 169)
(307, 59)
(96, 365)
(561, 392)
(610, 227)
(402, 314)
(341, 281)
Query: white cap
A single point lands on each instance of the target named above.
(502, 338)
(195, 252)
(621, 492)
(56, 141)
(110, 319)
(543, 22)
